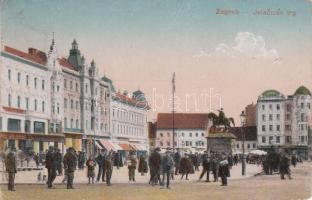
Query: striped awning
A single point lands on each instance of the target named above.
(107, 145)
(97, 143)
(127, 147)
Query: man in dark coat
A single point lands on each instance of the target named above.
(206, 166)
(70, 164)
(51, 166)
(177, 159)
(100, 159)
(59, 160)
(10, 166)
(285, 167)
(108, 166)
(154, 164)
(215, 167)
(224, 171)
(167, 164)
(294, 160)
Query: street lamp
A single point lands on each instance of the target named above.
(243, 123)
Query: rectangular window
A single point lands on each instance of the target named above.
(302, 105)
(42, 85)
(254, 145)
(35, 82)
(263, 118)
(27, 80)
(72, 104)
(65, 103)
(65, 83)
(278, 139)
(57, 128)
(14, 125)
(18, 101)
(271, 127)
(248, 146)
(190, 134)
(270, 106)
(277, 107)
(18, 77)
(35, 104)
(263, 127)
(278, 117)
(278, 128)
(270, 139)
(9, 74)
(263, 107)
(9, 100)
(51, 128)
(71, 85)
(77, 87)
(263, 139)
(38, 127)
(27, 103)
(270, 117)
(43, 106)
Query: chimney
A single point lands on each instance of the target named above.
(32, 51)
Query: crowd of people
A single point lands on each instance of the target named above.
(162, 166)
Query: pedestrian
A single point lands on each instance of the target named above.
(59, 160)
(132, 167)
(51, 166)
(214, 167)
(154, 165)
(224, 171)
(195, 159)
(167, 164)
(70, 164)
(285, 167)
(100, 159)
(294, 160)
(142, 165)
(65, 171)
(91, 168)
(11, 168)
(177, 159)
(186, 167)
(108, 166)
(206, 166)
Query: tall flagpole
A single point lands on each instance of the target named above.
(173, 90)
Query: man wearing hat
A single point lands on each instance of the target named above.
(154, 164)
(206, 166)
(70, 164)
(10, 166)
(167, 164)
(51, 165)
(100, 159)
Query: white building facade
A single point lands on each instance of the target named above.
(190, 131)
(284, 122)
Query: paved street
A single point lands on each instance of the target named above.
(250, 187)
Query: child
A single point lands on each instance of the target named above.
(91, 166)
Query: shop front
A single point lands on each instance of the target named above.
(28, 142)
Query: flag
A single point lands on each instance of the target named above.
(173, 82)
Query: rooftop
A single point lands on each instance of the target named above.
(182, 120)
(302, 90)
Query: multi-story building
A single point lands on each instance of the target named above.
(129, 121)
(284, 122)
(25, 100)
(191, 130)
(48, 100)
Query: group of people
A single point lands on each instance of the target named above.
(173, 163)
(162, 166)
(279, 163)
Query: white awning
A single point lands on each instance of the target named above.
(97, 144)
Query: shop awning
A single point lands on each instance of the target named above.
(140, 147)
(116, 146)
(107, 145)
(127, 147)
(97, 143)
